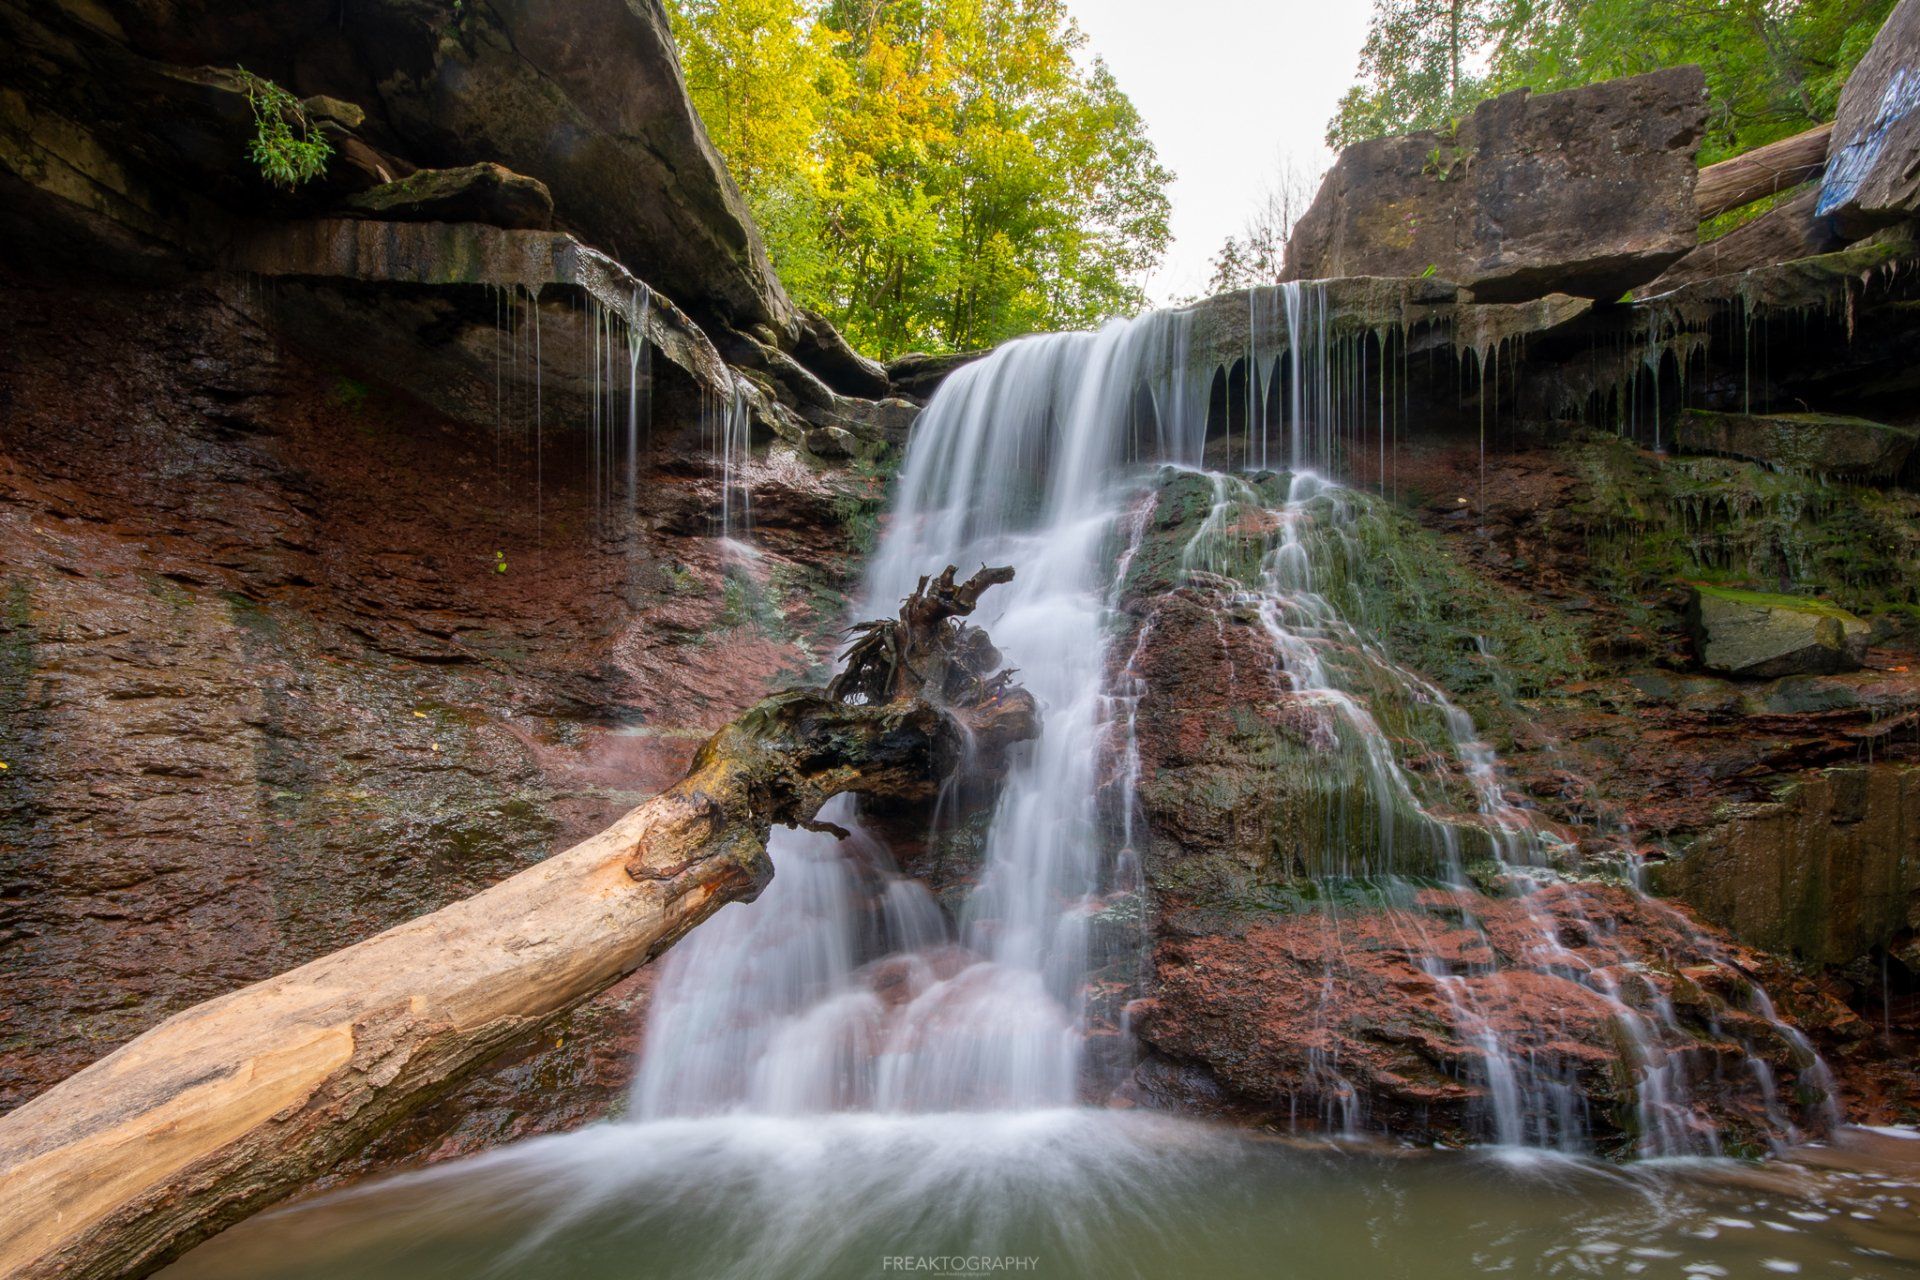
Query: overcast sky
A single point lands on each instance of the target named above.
(1227, 88)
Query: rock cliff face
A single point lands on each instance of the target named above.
(360, 546)
(292, 656)
(1589, 191)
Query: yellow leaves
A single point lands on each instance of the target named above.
(936, 175)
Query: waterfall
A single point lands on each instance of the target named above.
(732, 439)
(844, 986)
(848, 986)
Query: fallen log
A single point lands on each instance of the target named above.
(1763, 171)
(233, 1103)
(1783, 233)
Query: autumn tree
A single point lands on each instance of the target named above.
(942, 174)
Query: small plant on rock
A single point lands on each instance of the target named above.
(287, 145)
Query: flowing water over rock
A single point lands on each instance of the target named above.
(847, 987)
(856, 1067)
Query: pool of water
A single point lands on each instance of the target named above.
(1077, 1193)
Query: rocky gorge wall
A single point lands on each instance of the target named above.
(324, 600)
(357, 553)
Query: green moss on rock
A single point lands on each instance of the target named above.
(1758, 634)
(1820, 444)
(1650, 521)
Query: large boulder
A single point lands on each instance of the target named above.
(1824, 444)
(1588, 192)
(1751, 633)
(1873, 167)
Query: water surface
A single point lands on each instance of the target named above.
(1069, 1194)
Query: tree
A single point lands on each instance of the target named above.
(1258, 253)
(1773, 67)
(763, 77)
(946, 173)
(1413, 68)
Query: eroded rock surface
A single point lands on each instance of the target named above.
(1873, 166)
(1331, 1016)
(288, 656)
(1587, 191)
(1824, 871)
(1753, 634)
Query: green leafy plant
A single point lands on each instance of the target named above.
(931, 175)
(287, 145)
(1772, 69)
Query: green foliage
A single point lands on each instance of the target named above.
(930, 174)
(289, 148)
(1773, 67)
(1415, 68)
(1652, 521)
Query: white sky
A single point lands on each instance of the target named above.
(1227, 87)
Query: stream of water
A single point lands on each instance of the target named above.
(851, 1071)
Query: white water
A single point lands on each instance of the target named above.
(846, 987)
(843, 1073)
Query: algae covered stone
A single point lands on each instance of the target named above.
(1824, 444)
(1750, 633)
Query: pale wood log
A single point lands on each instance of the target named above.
(1763, 171)
(233, 1103)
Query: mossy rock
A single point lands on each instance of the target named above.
(485, 193)
(1650, 520)
(1761, 635)
(1814, 443)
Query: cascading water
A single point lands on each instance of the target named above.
(779, 1003)
(852, 1076)
(847, 987)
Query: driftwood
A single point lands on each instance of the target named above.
(926, 646)
(1763, 171)
(231, 1104)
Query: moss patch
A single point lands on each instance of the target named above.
(1651, 521)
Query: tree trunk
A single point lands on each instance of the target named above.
(233, 1103)
(1762, 171)
(1781, 234)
